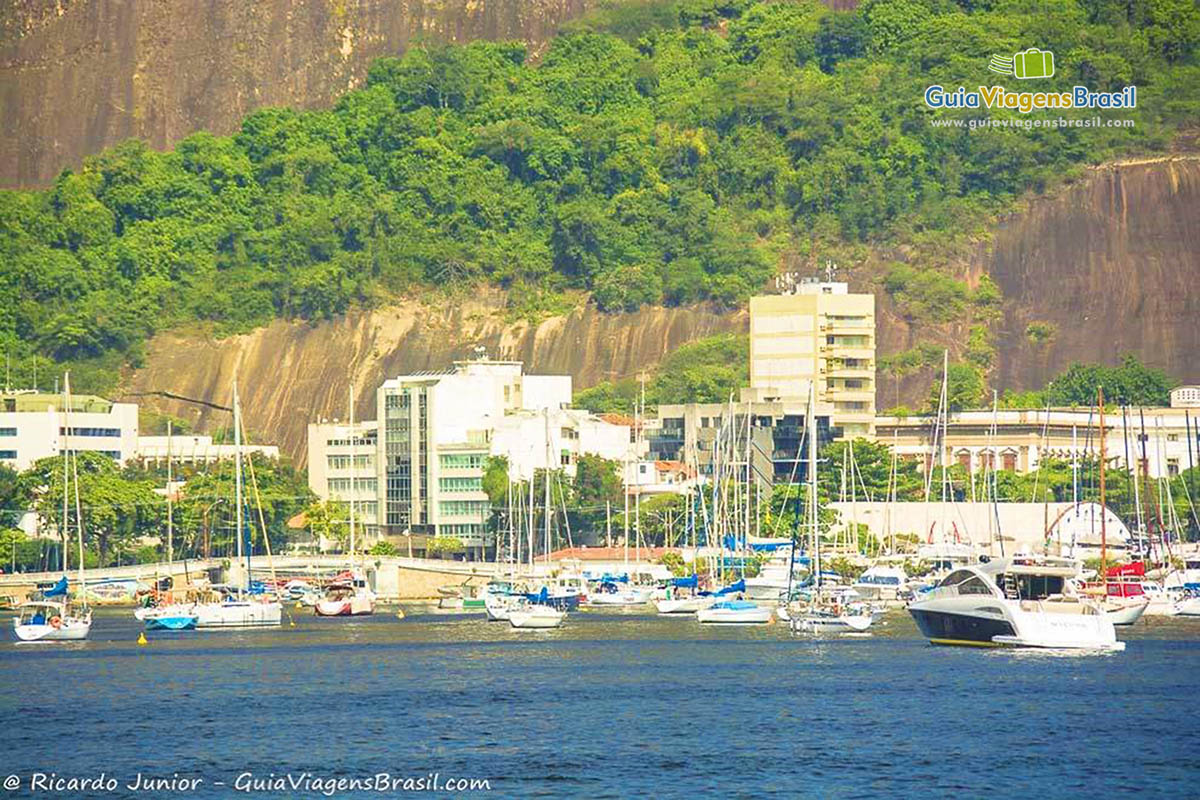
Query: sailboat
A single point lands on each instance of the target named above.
(349, 595)
(227, 606)
(827, 613)
(52, 618)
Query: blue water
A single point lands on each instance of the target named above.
(614, 705)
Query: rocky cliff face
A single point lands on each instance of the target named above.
(293, 373)
(1113, 264)
(79, 75)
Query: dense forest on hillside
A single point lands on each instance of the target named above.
(657, 153)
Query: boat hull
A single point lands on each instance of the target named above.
(686, 605)
(983, 621)
(238, 615)
(1188, 608)
(356, 607)
(69, 631)
(537, 619)
(1127, 613)
(724, 616)
(856, 623)
(184, 622)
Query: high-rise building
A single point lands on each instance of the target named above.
(818, 332)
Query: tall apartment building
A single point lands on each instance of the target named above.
(819, 332)
(342, 466)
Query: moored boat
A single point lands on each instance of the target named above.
(1015, 602)
(350, 597)
(51, 621)
(735, 612)
(535, 616)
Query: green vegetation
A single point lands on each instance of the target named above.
(707, 370)
(658, 152)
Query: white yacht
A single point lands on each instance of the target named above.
(51, 620)
(1017, 602)
(534, 615)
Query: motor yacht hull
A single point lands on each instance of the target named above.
(991, 622)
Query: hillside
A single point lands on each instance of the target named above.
(1111, 263)
(77, 76)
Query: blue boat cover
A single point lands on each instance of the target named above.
(732, 588)
(686, 583)
(614, 578)
(57, 589)
(736, 605)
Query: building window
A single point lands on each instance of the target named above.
(8, 431)
(1172, 437)
(460, 484)
(1010, 461)
(1172, 467)
(461, 460)
(343, 462)
(464, 508)
(9, 455)
(89, 432)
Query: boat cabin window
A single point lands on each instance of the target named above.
(956, 577)
(1039, 587)
(975, 585)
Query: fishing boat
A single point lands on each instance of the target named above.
(347, 597)
(734, 612)
(1015, 602)
(529, 615)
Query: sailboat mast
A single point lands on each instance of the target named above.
(170, 506)
(546, 520)
(1103, 507)
(78, 506)
(812, 484)
(237, 471)
(353, 455)
(66, 450)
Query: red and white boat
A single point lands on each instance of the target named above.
(348, 596)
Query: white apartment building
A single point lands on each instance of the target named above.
(341, 466)
(522, 436)
(34, 425)
(417, 471)
(817, 332)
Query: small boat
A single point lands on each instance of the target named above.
(613, 594)
(833, 620)
(463, 597)
(499, 605)
(1189, 604)
(684, 605)
(735, 612)
(346, 598)
(533, 615)
(51, 621)
(1162, 602)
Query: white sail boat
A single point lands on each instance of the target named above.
(230, 606)
(350, 595)
(826, 613)
(51, 619)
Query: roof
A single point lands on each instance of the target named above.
(44, 401)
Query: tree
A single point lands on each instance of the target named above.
(1129, 383)
(965, 390)
(115, 510)
(329, 519)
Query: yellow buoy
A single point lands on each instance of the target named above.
(399, 613)
(142, 639)
(299, 606)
